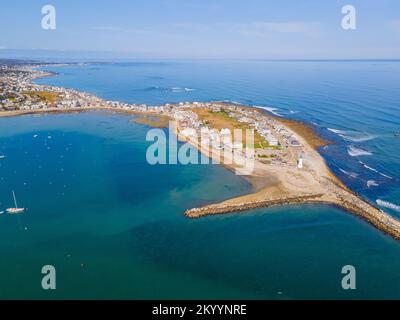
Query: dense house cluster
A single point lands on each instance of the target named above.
(275, 134)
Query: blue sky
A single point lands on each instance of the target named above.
(259, 29)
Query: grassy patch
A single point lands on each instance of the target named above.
(221, 119)
(156, 121)
(44, 96)
(264, 156)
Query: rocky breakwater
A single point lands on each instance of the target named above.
(222, 208)
(340, 197)
(378, 218)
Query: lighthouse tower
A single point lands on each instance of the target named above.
(300, 162)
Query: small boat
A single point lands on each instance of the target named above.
(1, 212)
(397, 134)
(15, 210)
(2, 157)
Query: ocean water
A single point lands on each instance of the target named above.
(113, 226)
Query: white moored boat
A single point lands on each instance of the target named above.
(15, 210)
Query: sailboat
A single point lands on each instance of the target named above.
(15, 210)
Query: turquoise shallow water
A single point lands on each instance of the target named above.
(113, 226)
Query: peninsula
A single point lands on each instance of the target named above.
(287, 166)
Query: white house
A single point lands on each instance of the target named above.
(189, 133)
(226, 131)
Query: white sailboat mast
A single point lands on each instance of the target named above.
(15, 200)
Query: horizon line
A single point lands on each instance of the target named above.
(94, 60)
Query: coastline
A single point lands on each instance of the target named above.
(272, 185)
(268, 191)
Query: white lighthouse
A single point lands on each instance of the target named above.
(300, 162)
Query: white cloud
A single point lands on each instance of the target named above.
(264, 29)
(119, 30)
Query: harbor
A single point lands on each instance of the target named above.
(286, 152)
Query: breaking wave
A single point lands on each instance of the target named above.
(350, 174)
(270, 109)
(179, 89)
(170, 89)
(356, 152)
(353, 136)
(372, 183)
(374, 170)
(388, 205)
(233, 102)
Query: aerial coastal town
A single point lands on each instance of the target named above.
(287, 166)
(215, 122)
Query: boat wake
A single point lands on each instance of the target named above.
(388, 205)
(356, 152)
(353, 136)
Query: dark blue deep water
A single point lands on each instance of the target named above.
(113, 225)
